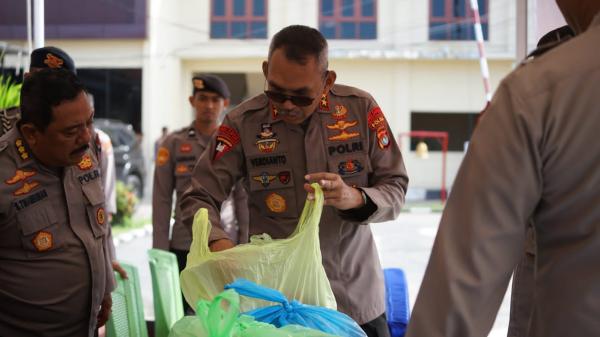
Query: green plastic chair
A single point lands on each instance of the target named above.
(127, 316)
(168, 306)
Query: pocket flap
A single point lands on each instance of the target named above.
(34, 220)
(93, 193)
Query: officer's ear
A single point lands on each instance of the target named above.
(226, 102)
(191, 100)
(330, 79)
(30, 132)
(265, 68)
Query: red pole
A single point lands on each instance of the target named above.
(444, 150)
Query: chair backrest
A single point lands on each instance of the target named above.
(397, 305)
(127, 316)
(168, 306)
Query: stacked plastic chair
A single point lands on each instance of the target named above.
(397, 306)
(168, 307)
(127, 316)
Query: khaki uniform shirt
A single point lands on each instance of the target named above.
(54, 264)
(348, 136)
(533, 157)
(175, 161)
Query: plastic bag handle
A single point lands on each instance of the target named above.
(312, 211)
(251, 289)
(219, 322)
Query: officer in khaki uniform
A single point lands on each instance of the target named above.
(175, 160)
(55, 268)
(529, 162)
(306, 129)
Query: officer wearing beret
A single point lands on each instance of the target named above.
(305, 128)
(175, 160)
(55, 266)
(41, 58)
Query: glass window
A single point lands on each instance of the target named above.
(348, 19)
(459, 126)
(453, 20)
(241, 19)
(219, 7)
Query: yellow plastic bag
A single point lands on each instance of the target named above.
(293, 265)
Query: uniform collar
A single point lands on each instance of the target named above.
(596, 21)
(191, 130)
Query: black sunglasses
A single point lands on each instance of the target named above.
(296, 100)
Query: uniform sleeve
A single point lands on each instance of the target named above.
(219, 167)
(388, 180)
(481, 236)
(162, 194)
(109, 176)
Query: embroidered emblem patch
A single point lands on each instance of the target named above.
(100, 216)
(349, 166)
(342, 125)
(198, 84)
(324, 102)
(53, 61)
(20, 175)
(383, 138)
(266, 142)
(376, 118)
(162, 156)
(284, 177)
(276, 203)
(42, 241)
(26, 188)
(181, 168)
(264, 178)
(21, 149)
(227, 138)
(185, 148)
(340, 112)
(85, 163)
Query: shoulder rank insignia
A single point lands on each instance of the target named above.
(227, 138)
(324, 102)
(264, 178)
(85, 163)
(26, 188)
(20, 175)
(276, 203)
(42, 241)
(21, 149)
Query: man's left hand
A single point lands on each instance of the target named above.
(105, 309)
(335, 191)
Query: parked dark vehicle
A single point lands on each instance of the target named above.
(129, 160)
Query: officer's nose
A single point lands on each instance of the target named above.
(287, 105)
(86, 135)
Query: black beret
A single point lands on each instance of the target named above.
(210, 83)
(51, 57)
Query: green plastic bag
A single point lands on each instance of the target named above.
(293, 266)
(221, 318)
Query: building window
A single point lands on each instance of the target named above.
(453, 19)
(348, 19)
(238, 19)
(459, 126)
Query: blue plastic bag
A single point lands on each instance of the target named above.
(294, 312)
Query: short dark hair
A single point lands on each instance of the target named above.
(300, 43)
(44, 90)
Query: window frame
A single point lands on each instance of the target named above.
(338, 19)
(229, 19)
(450, 20)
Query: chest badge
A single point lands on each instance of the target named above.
(264, 179)
(181, 168)
(85, 163)
(339, 113)
(20, 175)
(162, 156)
(185, 148)
(284, 177)
(42, 241)
(276, 203)
(342, 125)
(267, 141)
(101, 216)
(350, 166)
(27, 187)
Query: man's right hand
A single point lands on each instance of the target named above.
(221, 244)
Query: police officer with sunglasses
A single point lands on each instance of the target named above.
(306, 129)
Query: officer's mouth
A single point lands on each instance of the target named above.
(80, 151)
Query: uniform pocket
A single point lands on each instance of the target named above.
(183, 175)
(39, 230)
(97, 217)
(272, 190)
